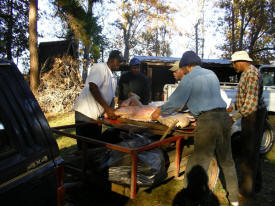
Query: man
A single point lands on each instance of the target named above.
(177, 73)
(97, 96)
(199, 89)
(134, 82)
(250, 107)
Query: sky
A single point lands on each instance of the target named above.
(189, 11)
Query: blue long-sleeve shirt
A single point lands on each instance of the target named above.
(199, 90)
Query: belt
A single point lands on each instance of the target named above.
(213, 110)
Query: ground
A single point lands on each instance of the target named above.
(163, 195)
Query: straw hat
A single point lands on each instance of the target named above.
(241, 56)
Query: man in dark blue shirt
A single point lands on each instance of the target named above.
(199, 89)
(134, 82)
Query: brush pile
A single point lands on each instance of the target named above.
(60, 86)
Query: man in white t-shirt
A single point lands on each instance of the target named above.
(97, 96)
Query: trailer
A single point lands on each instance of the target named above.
(180, 140)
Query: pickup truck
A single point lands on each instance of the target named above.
(268, 72)
(31, 169)
(228, 92)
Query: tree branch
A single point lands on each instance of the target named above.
(264, 49)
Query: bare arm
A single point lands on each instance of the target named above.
(96, 94)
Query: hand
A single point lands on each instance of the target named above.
(232, 120)
(110, 113)
(229, 109)
(155, 115)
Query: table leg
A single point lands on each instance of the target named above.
(177, 160)
(133, 190)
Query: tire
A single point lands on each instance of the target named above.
(267, 139)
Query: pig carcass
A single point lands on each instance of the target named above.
(144, 112)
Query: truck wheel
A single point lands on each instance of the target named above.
(268, 139)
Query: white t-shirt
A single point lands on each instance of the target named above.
(101, 75)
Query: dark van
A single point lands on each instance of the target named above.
(31, 170)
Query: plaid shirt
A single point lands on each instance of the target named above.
(249, 95)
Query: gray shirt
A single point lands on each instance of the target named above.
(199, 90)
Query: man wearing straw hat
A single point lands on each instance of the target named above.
(250, 107)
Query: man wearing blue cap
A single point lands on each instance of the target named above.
(134, 82)
(199, 89)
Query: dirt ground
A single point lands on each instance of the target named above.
(80, 193)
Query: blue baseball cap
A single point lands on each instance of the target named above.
(189, 58)
(134, 62)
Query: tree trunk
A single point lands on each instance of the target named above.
(202, 30)
(34, 72)
(87, 47)
(126, 52)
(9, 32)
(197, 38)
(242, 29)
(233, 29)
(257, 31)
(127, 45)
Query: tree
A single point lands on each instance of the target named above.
(247, 27)
(34, 70)
(155, 42)
(79, 21)
(140, 18)
(82, 25)
(13, 28)
(93, 49)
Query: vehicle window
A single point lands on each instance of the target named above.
(234, 79)
(6, 148)
(268, 78)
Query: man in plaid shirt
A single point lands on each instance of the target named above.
(250, 107)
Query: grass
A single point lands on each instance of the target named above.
(66, 144)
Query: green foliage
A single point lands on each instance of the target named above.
(95, 52)
(82, 24)
(77, 18)
(13, 28)
(248, 25)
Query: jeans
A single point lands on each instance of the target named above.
(250, 163)
(212, 135)
(90, 130)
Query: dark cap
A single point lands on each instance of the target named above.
(115, 54)
(189, 58)
(134, 61)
